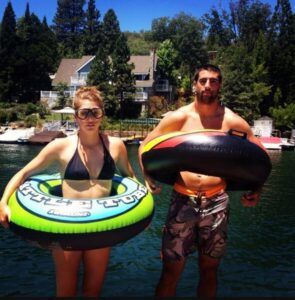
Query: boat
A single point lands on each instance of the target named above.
(277, 143)
(15, 136)
(271, 142)
(288, 144)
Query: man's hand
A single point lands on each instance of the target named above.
(251, 199)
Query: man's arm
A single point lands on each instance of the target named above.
(234, 121)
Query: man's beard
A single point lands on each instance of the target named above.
(207, 99)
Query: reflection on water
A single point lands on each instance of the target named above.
(260, 259)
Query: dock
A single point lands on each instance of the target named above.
(44, 137)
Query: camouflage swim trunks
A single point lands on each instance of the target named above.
(193, 225)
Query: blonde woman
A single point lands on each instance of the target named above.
(87, 164)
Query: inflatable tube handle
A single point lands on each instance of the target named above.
(239, 133)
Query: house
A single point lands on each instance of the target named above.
(74, 72)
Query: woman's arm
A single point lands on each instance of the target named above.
(119, 153)
(46, 156)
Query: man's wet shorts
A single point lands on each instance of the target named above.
(193, 225)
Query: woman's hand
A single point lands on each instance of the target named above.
(5, 214)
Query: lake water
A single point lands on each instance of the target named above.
(260, 259)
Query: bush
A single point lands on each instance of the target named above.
(32, 121)
(157, 106)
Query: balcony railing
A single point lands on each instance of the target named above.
(50, 97)
(137, 97)
(79, 79)
(54, 94)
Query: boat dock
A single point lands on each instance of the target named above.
(46, 136)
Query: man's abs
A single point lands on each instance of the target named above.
(199, 182)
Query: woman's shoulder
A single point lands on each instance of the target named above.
(113, 140)
(63, 142)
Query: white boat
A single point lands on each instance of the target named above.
(277, 143)
(13, 136)
(288, 144)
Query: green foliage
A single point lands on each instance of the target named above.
(111, 30)
(63, 98)
(166, 61)
(8, 115)
(31, 120)
(68, 24)
(93, 30)
(218, 34)
(281, 45)
(284, 117)
(139, 44)
(186, 34)
(8, 63)
(255, 50)
(157, 107)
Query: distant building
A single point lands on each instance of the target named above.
(263, 127)
(74, 72)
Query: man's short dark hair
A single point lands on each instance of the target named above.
(208, 67)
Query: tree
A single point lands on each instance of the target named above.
(139, 44)
(123, 79)
(69, 23)
(92, 32)
(187, 39)
(8, 46)
(167, 56)
(243, 84)
(282, 51)
(218, 34)
(161, 29)
(111, 30)
(284, 117)
(34, 61)
(248, 19)
(101, 76)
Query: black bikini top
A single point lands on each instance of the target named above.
(76, 169)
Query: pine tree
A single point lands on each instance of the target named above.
(69, 23)
(100, 75)
(111, 30)
(8, 46)
(92, 32)
(218, 34)
(123, 79)
(36, 59)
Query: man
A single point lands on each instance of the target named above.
(187, 226)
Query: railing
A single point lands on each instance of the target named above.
(50, 97)
(137, 97)
(54, 94)
(79, 79)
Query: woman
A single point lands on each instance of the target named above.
(87, 164)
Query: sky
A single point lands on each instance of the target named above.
(133, 15)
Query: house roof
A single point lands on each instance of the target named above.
(68, 67)
(142, 64)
